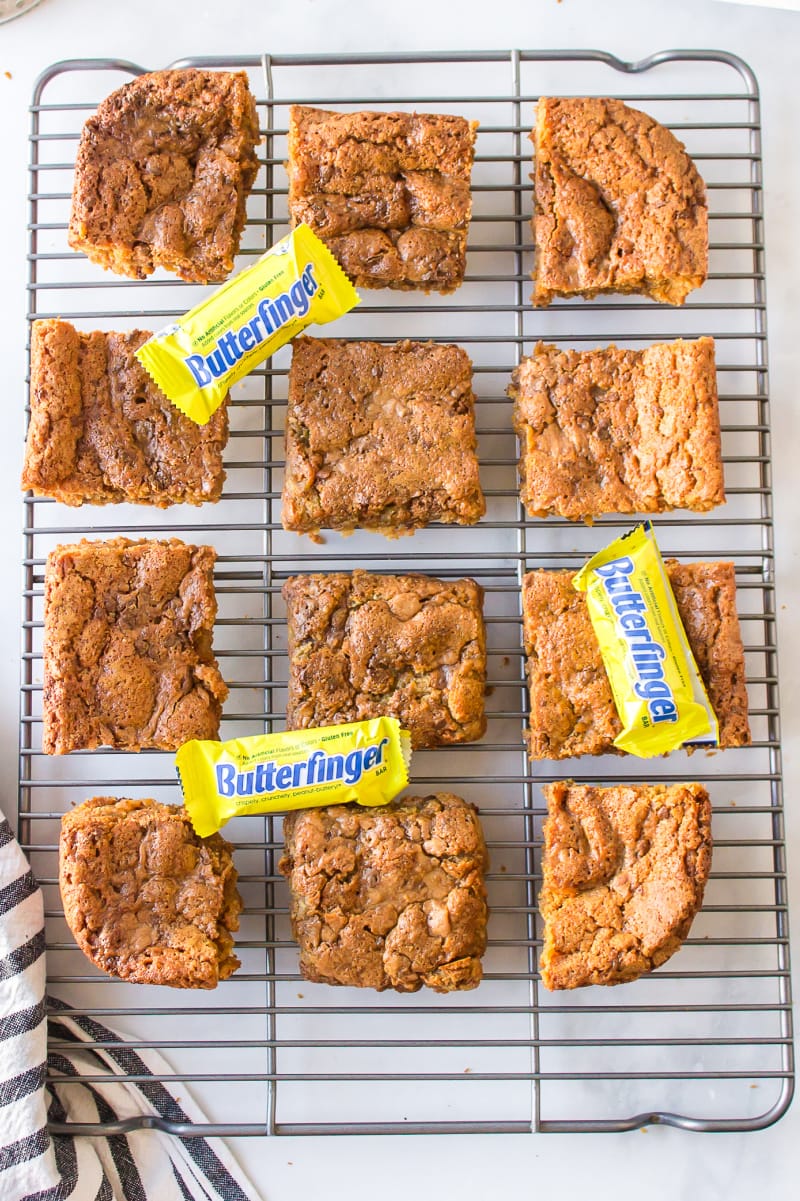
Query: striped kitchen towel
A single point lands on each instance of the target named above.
(37, 1166)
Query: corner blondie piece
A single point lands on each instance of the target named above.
(145, 898)
(572, 709)
(618, 204)
(618, 431)
(127, 646)
(102, 432)
(163, 172)
(387, 192)
(623, 875)
(392, 897)
(379, 437)
(410, 647)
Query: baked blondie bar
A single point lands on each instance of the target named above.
(391, 897)
(163, 172)
(145, 898)
(379, 437)
(127, 651)
(618, 204)
(572, 709)
(387, 192)
(623, 875)
(409, 646)
(618, 431)
(102, 432)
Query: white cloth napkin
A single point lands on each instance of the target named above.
(35, 1166)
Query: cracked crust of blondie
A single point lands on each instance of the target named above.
(101, 432)
(623, 875)
(572, 709)
(387, 192)
(162, 175)
(411, 647)
(618, 204)
(379, 437)
(392, 897)
(618, 431)
(128, 661)
(145, 898)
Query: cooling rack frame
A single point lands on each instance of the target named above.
(501, 240)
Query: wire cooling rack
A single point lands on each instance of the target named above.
(705, 1042)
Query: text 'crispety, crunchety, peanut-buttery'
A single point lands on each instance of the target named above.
(296, 283)
(363, 761)
(660, 698)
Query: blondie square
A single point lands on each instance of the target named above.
(618, 431)
(618, 204)
(409, 646)
(572, 709)
(163, 172)
(379, 437)
(102, 432)
(388, 193)
(145, 898)
(623, 875)
(392, 897)
(127, 646)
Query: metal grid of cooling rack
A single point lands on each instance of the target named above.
(704, 1043)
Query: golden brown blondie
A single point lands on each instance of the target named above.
(127, 652)
(145, 898)
(163, 172)
(409, 646)
(102, 432)
(392, 897)
(388, 193)
(618, 431)
(379, 437)
(572, 709)
(618, 204)
(623, 875)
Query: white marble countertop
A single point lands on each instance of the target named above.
(659, 1163)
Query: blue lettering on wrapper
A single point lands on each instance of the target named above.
(270, 313)
(371, 757)
(646, 653)
(353, 766)
(216, 362)
(197, 365)
(283, 776)
(244, 784)
(226, 775)
(314, 769)
(299, 297)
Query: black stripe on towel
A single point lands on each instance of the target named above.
(158, 1096)
(22, 1085)
(66, 1160)
(182, 1185)
(17, 891)
(24, 1149)
(22, 957)
(118, 1144)
(22, 1021)
(6, 833)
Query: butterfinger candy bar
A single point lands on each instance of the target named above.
(658, 692)
(196, 361)
(363, 761)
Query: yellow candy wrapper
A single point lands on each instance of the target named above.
(364, 761)
(660, 698)
(297, 283)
